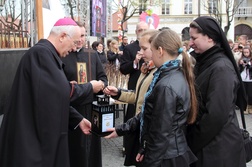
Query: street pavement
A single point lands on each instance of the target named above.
(112, 154)
(112, 149)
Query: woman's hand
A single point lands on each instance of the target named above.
(111, 135)
(139, 157)
(120, 52)
(110, 90)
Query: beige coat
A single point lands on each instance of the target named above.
(137, 96)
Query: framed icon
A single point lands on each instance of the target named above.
(81, 72)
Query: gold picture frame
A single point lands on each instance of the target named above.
(81, 72)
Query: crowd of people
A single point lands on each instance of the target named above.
(182, 98)
(242, 51)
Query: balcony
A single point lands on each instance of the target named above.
(244, 12)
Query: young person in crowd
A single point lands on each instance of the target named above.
(169, 104)
(136, 96)
(130, 66)
(100, 51)
(246, 74)
(124, 43)
(113, 56)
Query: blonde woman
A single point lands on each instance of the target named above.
(168, 106)
(135, 97)
(114, 75)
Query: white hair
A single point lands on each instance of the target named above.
(68, 29)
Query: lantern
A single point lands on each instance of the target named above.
(103, 115)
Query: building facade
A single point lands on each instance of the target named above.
(174, 14)
(177, 15)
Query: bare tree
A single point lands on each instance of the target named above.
(129, 8)
(14, 21)
(70, 6)
(11, 18)
(214, 7)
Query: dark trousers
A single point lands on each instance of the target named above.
(248, 89)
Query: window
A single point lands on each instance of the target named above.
(243, 29)
(188, 7)
(142, 6)
(212, 6)
(185, 34)
(166, 7)
(243, 3)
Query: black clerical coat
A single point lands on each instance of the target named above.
(216, 138)
(85, 151)
(126, 63)
(35, 126)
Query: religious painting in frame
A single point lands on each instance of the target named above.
(81, 72)
(99, 18)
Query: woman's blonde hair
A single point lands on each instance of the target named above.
(111, 46)
(148, 34)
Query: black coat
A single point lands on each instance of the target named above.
(126, 67)
(126, 64)
(216, 138)
(111, 56)
(103, 58)
(84, 150)
(35, 126)
(165, 115)
(94, 70)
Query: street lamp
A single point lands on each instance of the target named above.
(1, 5)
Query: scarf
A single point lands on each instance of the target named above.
(147, 67)
(168, 64)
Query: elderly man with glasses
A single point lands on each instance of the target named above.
(38, 116)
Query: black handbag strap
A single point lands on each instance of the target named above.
(243, 119)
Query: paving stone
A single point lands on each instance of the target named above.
(112, 155)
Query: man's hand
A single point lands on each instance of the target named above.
(73, 82)
(139, 55)
(85, 126)
(97, 85)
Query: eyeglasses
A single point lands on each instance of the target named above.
(75, 42)
(141, 30)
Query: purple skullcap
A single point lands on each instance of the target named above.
(65, 22)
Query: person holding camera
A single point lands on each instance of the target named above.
(237, 52)
(246, 74)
